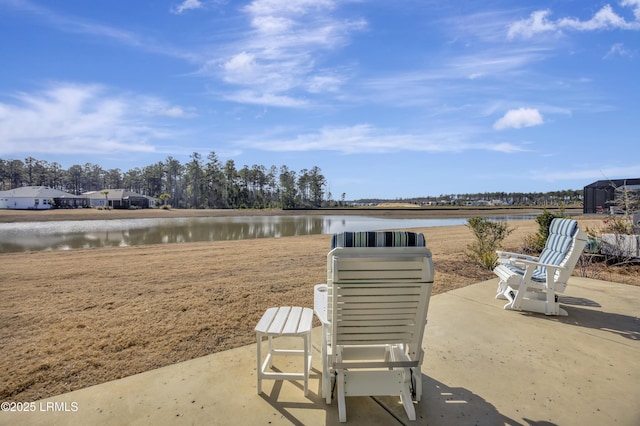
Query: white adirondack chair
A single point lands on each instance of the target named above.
(532, 283)
(373, 311)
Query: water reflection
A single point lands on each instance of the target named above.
(68, 235)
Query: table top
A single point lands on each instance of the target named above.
(285, 321)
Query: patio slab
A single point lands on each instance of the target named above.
(483, 366)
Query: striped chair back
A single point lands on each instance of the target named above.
(378, 239)
(558, 245)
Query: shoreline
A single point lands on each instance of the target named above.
(12, 216)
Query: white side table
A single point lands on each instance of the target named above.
(292, 321)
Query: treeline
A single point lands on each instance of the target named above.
(199, 183)
(562, 197)
(552, 198)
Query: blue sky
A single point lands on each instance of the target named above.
(390, 99)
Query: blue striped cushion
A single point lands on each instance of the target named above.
(378, 239)
(561, 234)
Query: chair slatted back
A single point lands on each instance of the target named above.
(379, 295)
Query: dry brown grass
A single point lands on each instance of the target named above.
(79, 318)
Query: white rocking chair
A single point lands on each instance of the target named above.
(373, 311)
(532, 283)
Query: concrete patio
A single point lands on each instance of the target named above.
(482, 366)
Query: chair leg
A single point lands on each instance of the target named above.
(342, 406)
(502, 286)
(515, 297)
(417, 382)
(326, 387)
(326, 373)
(553, 307)
(405, 397)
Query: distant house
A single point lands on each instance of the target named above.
(119, 199)
(478, 203)
(39, 198)
(599, 197)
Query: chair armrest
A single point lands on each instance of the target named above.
(320, 302)
(507, 255)
(544, 265)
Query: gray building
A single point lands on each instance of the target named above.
(600, 196)
(119, 199)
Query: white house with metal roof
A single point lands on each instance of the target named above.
(39, 198)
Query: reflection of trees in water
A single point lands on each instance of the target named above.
(228, 230)
(74, 235)
(168, 232)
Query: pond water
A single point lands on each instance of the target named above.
(68, 235)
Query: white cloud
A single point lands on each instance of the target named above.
(267, 99)
(240, 67)
(272, 24)
(517, 118)
(187, 5)
(288, 7)
(72, 118)
(536, 23)
(505, 147)
(605, 18)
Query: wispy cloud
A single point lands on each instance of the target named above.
(78, 25)
(365, 138)
(517, 118)
(278, 56)
(187, 5)
(617, 50)
(605, 18)
(71, 118)
(73, 24)
(260, 98)
(494, 62)
(450, 83)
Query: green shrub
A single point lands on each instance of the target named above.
(489, 236)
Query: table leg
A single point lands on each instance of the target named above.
(259, 366)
